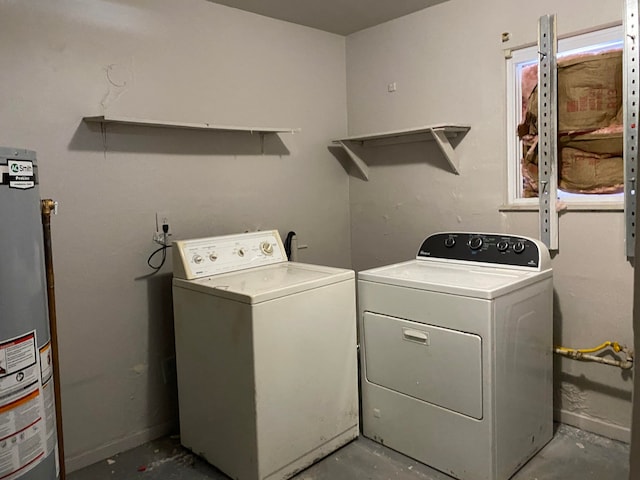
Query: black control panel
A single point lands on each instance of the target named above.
(482, 247)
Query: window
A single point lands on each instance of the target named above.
(522, 168)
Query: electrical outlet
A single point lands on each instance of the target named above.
(160, 236)
(162, 218)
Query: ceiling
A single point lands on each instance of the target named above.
(337, 16)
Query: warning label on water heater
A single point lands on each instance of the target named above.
(18, 365)
(21, 444)
(23, 426)
(21, 174)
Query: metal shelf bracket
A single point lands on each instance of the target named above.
(630, 84)
(547, 130)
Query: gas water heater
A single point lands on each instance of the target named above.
(28, 441)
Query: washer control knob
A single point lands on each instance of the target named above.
(241, 252)
(266, 248)
(449, 242)
(502, 246)
(518, 247)
(213, 257)
(198, 259)
(475, 243)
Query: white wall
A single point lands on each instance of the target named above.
(190, 61)
(448, 64)
(196, 61)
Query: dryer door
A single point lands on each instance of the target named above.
(433, 364)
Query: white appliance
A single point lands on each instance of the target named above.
(266, 355)
(456, 352)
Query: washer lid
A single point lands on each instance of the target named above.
(466, 280)
(260, 284)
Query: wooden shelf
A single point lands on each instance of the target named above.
(104, 119)
(441, 134)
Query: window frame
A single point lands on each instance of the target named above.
(576, 43)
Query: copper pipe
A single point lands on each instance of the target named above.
(48, 206)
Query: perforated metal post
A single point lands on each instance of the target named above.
(631, 81)
(547, 130)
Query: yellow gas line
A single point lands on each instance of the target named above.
(583, 354)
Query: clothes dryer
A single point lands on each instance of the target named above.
(456, 353)
(265, 353)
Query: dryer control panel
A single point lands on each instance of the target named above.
(203, 257)
(495, 248)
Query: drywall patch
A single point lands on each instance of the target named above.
(573, 399)
(140, 369)
(119, 78)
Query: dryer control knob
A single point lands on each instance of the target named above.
(475, 243)
(518, 247)
(266, 248)
(198, 259)
(502, 246)
(449, 242)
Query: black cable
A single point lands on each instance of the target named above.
(287, 244)
(162, 249)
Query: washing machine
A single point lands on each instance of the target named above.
(266, 355)
(456, 353)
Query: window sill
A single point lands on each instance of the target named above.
(571, 207)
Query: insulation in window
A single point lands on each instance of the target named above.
(590, 126)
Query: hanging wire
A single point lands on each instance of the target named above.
(287, 244)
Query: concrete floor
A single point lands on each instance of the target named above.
(571, 455)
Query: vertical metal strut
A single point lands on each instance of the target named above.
(631, 81)
(547, 130)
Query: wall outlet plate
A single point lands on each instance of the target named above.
(162, 218)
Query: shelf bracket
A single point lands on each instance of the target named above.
(357, 161)
(439, 135)
(631, 115)
(547, 131)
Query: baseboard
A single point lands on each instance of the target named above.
(117, 446)
(593, 425)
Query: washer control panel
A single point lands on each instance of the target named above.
(203, 257)
(495, 248)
